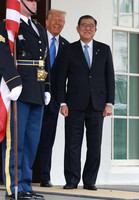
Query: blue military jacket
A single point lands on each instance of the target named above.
(33, 90)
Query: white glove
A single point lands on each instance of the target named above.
(47, 97)
(15, 93)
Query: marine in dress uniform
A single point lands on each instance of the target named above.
(30, 76)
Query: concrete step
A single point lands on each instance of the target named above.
(103, 193)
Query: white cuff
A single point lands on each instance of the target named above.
(47, 97)
(109, 104)
(63, 104)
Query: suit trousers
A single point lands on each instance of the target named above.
(47, 138)
(29, 120)
(74, 131)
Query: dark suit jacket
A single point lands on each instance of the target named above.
(53, 105)
(84, 84)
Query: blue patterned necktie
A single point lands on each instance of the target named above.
(52, 51)
(87, 54)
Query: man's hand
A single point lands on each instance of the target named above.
(15, 93)
(107, 111)
(47, 98)
(64, 110)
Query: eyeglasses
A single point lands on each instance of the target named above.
(85, 25)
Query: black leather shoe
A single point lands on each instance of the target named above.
(89, 187)
(46, 184)
(10, 197)
(21, 196)
(35, 195)
(70, 186)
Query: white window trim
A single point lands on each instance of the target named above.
(126, 162)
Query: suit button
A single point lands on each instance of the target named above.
(40, 41)
(40, 57)
(90, 76)
(40, 49)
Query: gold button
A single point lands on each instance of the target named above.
(40, 41)
(40, 49)
(40, 57)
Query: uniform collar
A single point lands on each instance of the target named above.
(24, 18)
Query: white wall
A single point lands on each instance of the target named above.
(102, 11)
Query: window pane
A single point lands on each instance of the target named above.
(120, 51)
(120, 107)
(120, 139)
(133, 139)
(115, 12)
(134, 96)
(136, 13)
(126, 12)
(134, 53)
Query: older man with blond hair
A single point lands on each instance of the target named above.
(55, 21)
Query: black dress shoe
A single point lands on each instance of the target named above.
(89, 187)
(46, 184)
(21, 196)
(35, 195)
(10, 197)
(70, 186)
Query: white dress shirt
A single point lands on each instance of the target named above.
(90, 49)
(50, 36)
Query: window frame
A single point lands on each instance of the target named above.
(128, 30)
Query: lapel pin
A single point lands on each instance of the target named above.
(97, 51)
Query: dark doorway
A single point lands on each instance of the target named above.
(43, 7)
(2, 9)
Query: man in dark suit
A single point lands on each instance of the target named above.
(55, 21)
(30, 87)
(86, 99)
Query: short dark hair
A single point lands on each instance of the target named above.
(86, 17)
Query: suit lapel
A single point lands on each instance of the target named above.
(61, 45)
(95, 54)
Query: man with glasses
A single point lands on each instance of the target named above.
(86, 93)
(29, 85)
(55, 21)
